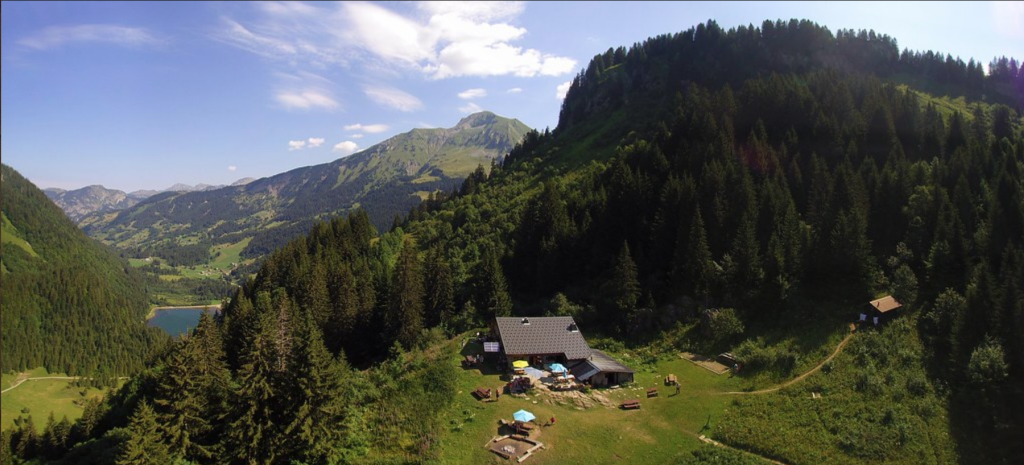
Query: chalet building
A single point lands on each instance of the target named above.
(880, 310)
(545, 340)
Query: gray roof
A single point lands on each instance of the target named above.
(584, 370)
(544, 335)
(599, 362)
(607, 364)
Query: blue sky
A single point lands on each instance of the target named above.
(144, 95)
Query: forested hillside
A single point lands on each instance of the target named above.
(69, 304)
(783, 172)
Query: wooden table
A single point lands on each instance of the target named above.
(631, 404)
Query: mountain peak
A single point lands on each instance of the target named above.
(482, 118)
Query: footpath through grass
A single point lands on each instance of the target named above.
(41, 397)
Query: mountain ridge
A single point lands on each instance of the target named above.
(386, 179)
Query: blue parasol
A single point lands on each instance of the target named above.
(558, 368)
(523, 416)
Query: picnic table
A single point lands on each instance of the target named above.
(652, 392)
(631, 404)
(671, 380)
(482, 393)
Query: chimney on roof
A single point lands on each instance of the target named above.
(525, 321)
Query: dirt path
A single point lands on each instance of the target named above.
(21, 380)
(713, 442)
(839, 348)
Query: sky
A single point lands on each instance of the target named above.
(136, 95)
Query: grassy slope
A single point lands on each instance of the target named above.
(41, 397)
(10, 236)
(663, 428)
(848, 425)
(877, 406)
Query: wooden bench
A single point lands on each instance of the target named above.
(652, 392)
(631, 404)
(671, 380)
(482, 393)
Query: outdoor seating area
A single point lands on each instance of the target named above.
(482, 393)
(520, 384)
(652, 392)
(631, 404)
(671, 380)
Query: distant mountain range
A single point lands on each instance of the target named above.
(78, 203)
(386, 179)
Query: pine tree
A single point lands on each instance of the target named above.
(405, 318)
(492, 297)
(699, 268)
(746, 255)
(623, 287)
(143, 446)
(27, 443)
(315, 429)
(253, 434)
(440, 289)
(6, 453)
(181, 407)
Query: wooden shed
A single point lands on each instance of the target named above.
(880, 310)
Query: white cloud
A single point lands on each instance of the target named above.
(232, 168)
(296, 145)
(370, 128)
(304, 91)
(470, 94)
(514, 90)
(346, 148)
(470, 107)
(1008, 19)
(56, 36)
(315, 142)
(356, 136)
(440, 40)
(394, 98)
(563, 89)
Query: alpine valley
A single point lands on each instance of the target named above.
(385, 180)
(700, 240)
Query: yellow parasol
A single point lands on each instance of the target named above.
(520, 364)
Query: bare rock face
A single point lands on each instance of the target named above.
(80, 202)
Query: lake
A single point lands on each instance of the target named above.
(175, 321)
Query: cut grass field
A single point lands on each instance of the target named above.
(42, 397)
(787, 425)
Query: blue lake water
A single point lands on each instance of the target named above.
(176, 321)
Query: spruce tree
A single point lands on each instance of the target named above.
(315, 429)
(253, 434)
(181, 407)
(440, 289)
(405, 318)
(623, 287)
(492, 297)
(699, 268)
(144, 446)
